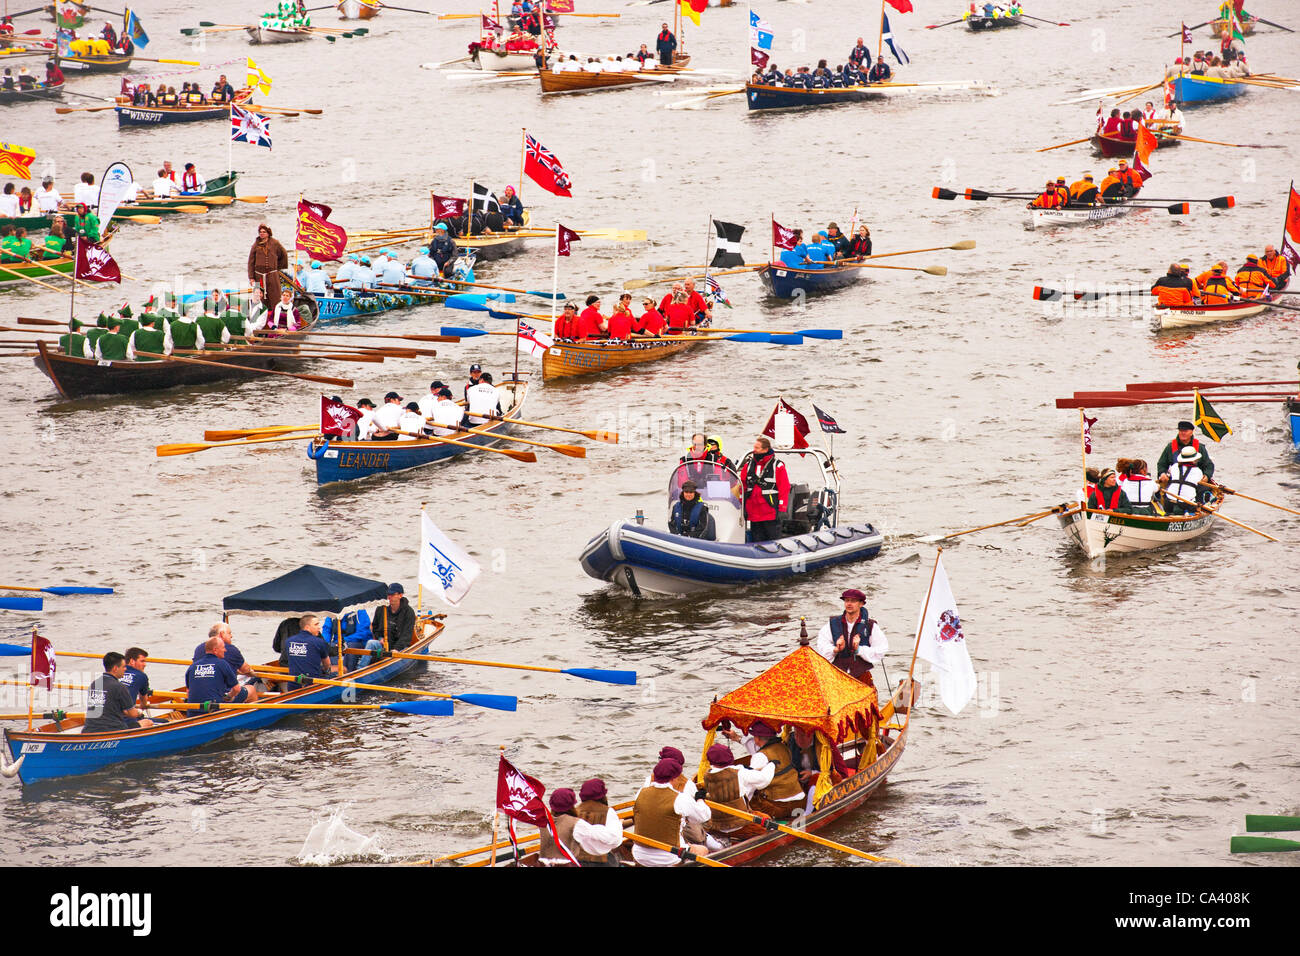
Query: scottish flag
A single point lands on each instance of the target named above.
(887, 35)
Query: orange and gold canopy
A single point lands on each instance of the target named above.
(803, 690)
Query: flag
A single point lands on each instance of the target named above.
(541, 166)
(535, 343)
(727, 252)
(693, 9)
(337, 419)
(1208, 420)
(135, 29)
(1291, 230)
(16, 161)
(519, 797)
(1237, 36)
(943, 643)
(113, 188)
(445, 207)
(827, 423)
(1141, 168)
(1187, 35)
(559, 6)
(94, 264)
(716, 291)
(1087, 432)
(801, 428)
(760, 32)
(1146, 143)
(1170, 98)
(490, 24)
(69, 18)
(782, 237)
(320, 238)
(902, 6)
(43, 665)
(257, 79)
(564, 237)
(758, 58)
(887, 35)
(249, 127)
(444, 567)
(485, 200)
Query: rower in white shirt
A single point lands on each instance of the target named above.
(423, 269)
(366, 423)
(482, 401)
(429, 401)
(388, 417)
(9, 202)
(446, 414)
(589, 831)
(658, 815)
(394, 273)
(380, 261)
(411, 422)
(47, 197)
(363, 277)
(733, 786)
(316, 281)
(86, 191)
(343, 278)
(164, 187)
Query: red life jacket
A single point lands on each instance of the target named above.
(190, 181)
(1099, 493)
(1173, 447)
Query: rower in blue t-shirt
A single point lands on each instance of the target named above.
(210, 678)
(134, 679)
(308, 653)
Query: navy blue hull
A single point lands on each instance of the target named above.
(785, 97)
(786, 283)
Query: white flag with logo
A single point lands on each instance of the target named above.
(943, 644)
(445, 568)
(113, 189)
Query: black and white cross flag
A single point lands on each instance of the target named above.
(485, 200)
(728, 250)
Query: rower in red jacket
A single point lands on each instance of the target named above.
(652, 321)
(591, 324)
(566, 324)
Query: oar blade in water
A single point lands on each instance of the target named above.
(1248, 844)
(490, 701)
(1257, 823)
(424, 708)
(76, 590)
(21, 604)
(787, 339)
(607, 677)
(750, 337)
(822, 333)
(464, 333)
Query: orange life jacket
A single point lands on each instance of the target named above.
(1218, 289)
(1049, 199)
(1253, 281)
(1276, 267)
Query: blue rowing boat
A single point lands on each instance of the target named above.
(338, 460)
(1293, 420)
(763, 97)
(1191, 90)
(785, 282)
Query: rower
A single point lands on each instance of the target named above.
(85, 192)
(1107, 495)
(147, 338)
(652, 322)
(1112, 190)
(1084, 192)
(134, 678)
(591, 324)
(112, 345)
(566, 325)
(284, 315)
(48, 198)
(110, 704)
(388, 418)
(658, 814)
(621, 321)
(599, 831)
(562, 802)
(1049, 198)
(1169, 454)
(732, 786)
(429, 402)
(475, 374)
(442, 248)
(678, 313)
(309, 655)
(1129, 177)
(210, 679)
(232, 655)
(1277, 267)
(363, 276)
(446, 414)
(1218, 289)
(345, 277)
(766, 489)
(1204, 277)
(394, 273)
(423, 270)
(411, 422)
(1062, 192)
(690, 517)
(1112, 126)
(222, 91)
(392, 624)
(1253, 279)
(366, 423)
(700, 309)
(880, 72)
(1185, 271)
(482, 401)
(1137, 485)
(316, 282)
(164, 187)
(1185, 476)
(852, 641)
(1173, 288)
(192, 184)
(783, 797)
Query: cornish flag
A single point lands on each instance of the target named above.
(943, 643)
(727, 252)
(899, 54)
(534, 342)
(249, 127)
(445, 568)
(485, 200)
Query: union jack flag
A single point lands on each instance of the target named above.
(249, 127)
(541, 166)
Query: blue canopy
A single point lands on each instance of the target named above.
(308, 590)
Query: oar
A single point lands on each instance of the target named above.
(22, 604)
(82, 109)
(423, 708)
(1272, 24)
(1051, 295)
(930, 539)
(252, 199)
(1218, 202)
(374, 335)
(686, 855)
(1215, 142)
(1073, 142)
(321, 379)
(595, 434)
(1228, 491)
(1239, 524)
(147, 220)
(61, 589)
(31, 279)
(190, 448)
(234, 434)
(586, 673)
(768, 823)
(1053, 23)
(16, 650)
(1190, 29)
(808, 333)
(1259, 823)
(570, 451)
(490, 701)
(527, 456)
(1249, 844)
(502, 288)
(928, 270)
(1190, 386)
(935, 26)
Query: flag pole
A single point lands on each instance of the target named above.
(880, 37)
(419, 578)
(1286, 217)
(495, 812)
(1083, 453)
(708, 234)
(469, 216)
(31, 688)
(523, 132)
(72, 301)
(230, 141)
(771, 233)
(920, 627)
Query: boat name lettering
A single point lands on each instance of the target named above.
(143, 116)
(88, 745)
(364, 459)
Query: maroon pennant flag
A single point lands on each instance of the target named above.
(490, 24)
(800, 424)
(42, 662)
(782, 237)
(445, 207)
(1087, 432)
(519, 797)
(94, 264)
(337, 419)
(758, 58)
(563, 238)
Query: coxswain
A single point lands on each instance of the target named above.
(512, 208)
(860, 56)
(598, 832)
(860, 244)
(566, 325)
(1129, 177)
(442, 248)
(1049, 198)
(232, 655)
(852, 641)
(1136, 484)
(110, 704)
(658, 814)
(838, 240)
(1277, 267)
(109, 35)
(665, 46)
(1084, 192)
(766, 491)
(880, 72)
(475, 376)
(211, 679)
(690, 517)
(1185, 474)
(191, 182)
(53, 75)
(1169, 454)
(309, 655)
(652, 321)
(591, 324)
(1253, 279)
(482, 401)
(1173, 288)
(284, 315)
(1112, 188)
(1218, 289)
(700, 308)
(266, 258)
(1107, 495)
(732, 786)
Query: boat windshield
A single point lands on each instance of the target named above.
(717, 484)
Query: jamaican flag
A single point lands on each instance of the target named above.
(1208, 420)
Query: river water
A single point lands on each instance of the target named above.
(1129, 713)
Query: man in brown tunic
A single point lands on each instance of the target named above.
(265, 260)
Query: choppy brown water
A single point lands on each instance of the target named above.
(1127, 714)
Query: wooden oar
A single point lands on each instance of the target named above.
(32, 279)
(1215, 142)
(930, 539)
(234, 434)
(82, 109)
(1073, 142)
(928, 270)
(1050, 23)
(320, 379)
(1239, 524)
(767, 822)
(423, 708)
(586, 673)
(375, 335)
(1260, 823)
(1228, 491)
(527, 456)
(1249, 844)
(492, 847)
(570, 451)
(190, 448)
(147, 220)
(609, 438)
(252, 199)
(502, 288)
(1272, 24)
(23, 683)
(490, 701)
(685, 855)
(1191, 386)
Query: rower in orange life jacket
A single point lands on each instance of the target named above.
(1129, 177)
(1204, 277)
(1252, 279)
(1173, 288)
(1048, 199)
(1218, 288)
(1062, 191)
(1107, 495)
(1111, 188)
(1084, 192)
(1185, 270)
(1277, 267)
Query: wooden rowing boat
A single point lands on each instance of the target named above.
(128, 115)
(591, 357)
(979, 23)
(581, 81)
(352, 460)
(358, 9)
(223, 185)
(1222, 28)
(39, 92)
(261, 34)
(1099, 532)
(786, 282)
(1117, 147)
(62, 265)
(1194, 90)
(89, 63)
(60, 749)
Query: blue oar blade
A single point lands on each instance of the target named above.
(466, 302)
(503, 315)
(76, 590)
(464, 333)
(822, 333)
(425, 708)
(492, 701)
(21, 604)
(749, 337)
(557, 296)
(787, 340)
(608, 677)
(14, 650)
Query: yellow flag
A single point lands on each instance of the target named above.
(693, 9)
(16, 161)
(257, 79)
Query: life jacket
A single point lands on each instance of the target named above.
(687, 523)
(1173, 290)
(1139, 488)
(1131, 178)
(861, 630)
(1062, 194)
(763, 478)
(190, 181)
(1049, 199)
(1253, 281)
(723, 786)
(1277, 267)
(1218, 290)
(785, 782)
(1183, 480)
(1098, 494)
(1107, 185)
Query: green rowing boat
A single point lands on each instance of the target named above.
(223, 185)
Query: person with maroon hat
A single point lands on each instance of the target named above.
(658, 814)
(599, 831)
(562, 803)
(852, 641)
(783, 796)
(692, 830)
(732, 786)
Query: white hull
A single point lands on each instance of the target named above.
(491, 60)
(1047, 218)
(265, 35)
(1186, 318)
(1106, 534)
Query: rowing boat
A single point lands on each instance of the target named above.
(1193, 90)
(60, 749)
(223, 185)
(90, 63)
(569, 359)
(979, 23)
(1099, 532)
(62, 265)
(580, 81)
(261, 34)
(1075, 216)
(128, 115)
(1117, 147)
(1222, 28)
(358, 10)
(764, 97)
(1292, 408)
(352, 460)
(41, 92)
(786, 282)
(1190, 316)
